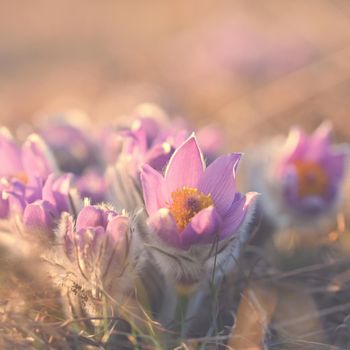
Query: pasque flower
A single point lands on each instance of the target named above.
(98, 249)
(300, 177)
(69, 139)
(42, 213)
(28, 163)
(191, 204)
(152, 139)
(29, 188)
(310, 170)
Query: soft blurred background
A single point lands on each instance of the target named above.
(252, 67)
(248, 65)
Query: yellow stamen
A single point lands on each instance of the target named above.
(21, 177)
(313, 180)
(186, 203)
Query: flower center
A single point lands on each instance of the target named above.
(21, 177)
(313, 180)
(186, 203)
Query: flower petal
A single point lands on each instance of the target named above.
(203, 228)
(186, 166)
(163, 224)
(16, 202)
(10, 155)
(319, 142)
(4, 207)
(56, 191)
(37, 158)
(118, 227)
(296, 144)
(89, 217)
(39, 216)
(219, 181)
(235, 216)
(153, 189)
(336, 163)
(158, 156)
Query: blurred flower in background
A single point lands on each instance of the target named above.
(300, 177)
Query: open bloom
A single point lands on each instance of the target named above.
(37, 209)
(28, 187)
(310, 170)
(152, 139)
(41, 213)
(193, 205)
(28, 163)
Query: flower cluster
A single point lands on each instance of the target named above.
(119, 203)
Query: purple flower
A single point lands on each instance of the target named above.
(71, 145)
(28, 163)
(149, 142)
(191, 204)
(92, 184)
(29, 188)
(148, 129)
(43, 213)
(98, 243)
(101, 221)
(152, 139)
(310, 170)
(38, 209)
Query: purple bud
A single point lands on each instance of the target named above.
(117, 228)
(89, 217)
(39, 216)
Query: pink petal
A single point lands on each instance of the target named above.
(118, 227)
(39, 216)
(203, 228)
(296, 144)
(322, 135)
(56, 191)
(37, 158)
(4, 207)
(158, 156)
(163, 225)
(89, 217)
(153, 189)
(219, 181)
(235, 216)
(320, 141)
(16, 202)
(186, 166)
(10, 155)
(336, 163)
